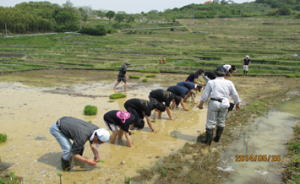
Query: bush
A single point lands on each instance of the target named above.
(117, 95)
(3, 138)
(90, 110)
(90, 30)
(284, 11)
(134, 77)
(145, 80)
(121, 25)
(151, 76)
(10, 178)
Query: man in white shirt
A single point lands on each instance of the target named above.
(218, 91)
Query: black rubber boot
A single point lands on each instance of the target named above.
(218, 134)
(65, 164)
(208, 137)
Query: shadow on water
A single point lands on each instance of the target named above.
(52, 159)
(5, 165)
(186, 137)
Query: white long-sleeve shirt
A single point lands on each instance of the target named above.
(220, 88)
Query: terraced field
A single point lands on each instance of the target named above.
(272, 43)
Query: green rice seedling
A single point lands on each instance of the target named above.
(3, 138)
(145, 80)
(134, 77)
(90, 110)
(117, 95)
(151, 76)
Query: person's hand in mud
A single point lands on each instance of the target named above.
(91, 162)
(97, 159)
(200, 106)
(237, 107)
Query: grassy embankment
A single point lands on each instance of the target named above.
(272, 43)
(292, 171)
(196, 163)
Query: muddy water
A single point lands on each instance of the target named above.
(266, 139)
(32, 101)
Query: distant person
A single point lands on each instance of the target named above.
(120, 123)
(229, 69)
(209, 75)
(194, 76)
(218, 91)
(142, 109)
(122, 76)
(79, 131)
(181, 92)
(247, 61)
(192, 87)
(164, 98)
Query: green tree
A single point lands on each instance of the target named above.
(120, 17)
(110, 15)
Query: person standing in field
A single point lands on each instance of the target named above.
(122, 76)
(217, 92)
(79, 131)
(247, 61)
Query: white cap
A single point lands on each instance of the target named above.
(102, 134)
(227, 67)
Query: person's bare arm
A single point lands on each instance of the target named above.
(169, 113)
(113, 137)
(128, 138)
(95, 152)
(237, 106)
(149, 123)
(84, 160)
(183, 105)
(200, 106)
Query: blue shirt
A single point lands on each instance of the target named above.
(178, 90)
(188, 85)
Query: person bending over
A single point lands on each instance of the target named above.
(142, 109)
(164, 98)
(120, 123)
(194, 76)
(79, 131)
(181, 92)
(192, 87)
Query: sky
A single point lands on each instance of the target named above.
(128, 6)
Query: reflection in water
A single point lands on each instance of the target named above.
(32, 101)
(263, 140)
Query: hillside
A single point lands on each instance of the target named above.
(271, 42)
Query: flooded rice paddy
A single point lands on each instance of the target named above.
(32, 101)
(256, 155)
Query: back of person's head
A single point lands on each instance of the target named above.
(247, 57)
(199, 72)
(157, 105)
(139, 123)
(232, 69)
(198, 87)
(220, 71)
